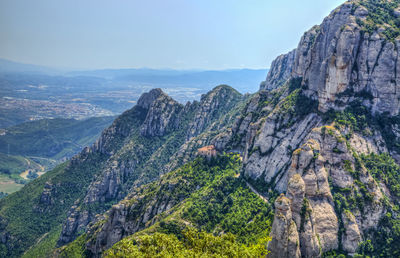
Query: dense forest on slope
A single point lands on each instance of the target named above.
(222, 202)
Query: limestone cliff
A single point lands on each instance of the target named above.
(299, 140)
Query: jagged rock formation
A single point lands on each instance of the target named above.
(291, 144)
(280, 71)
(162, 115)
(157, 115)
(341, 57)
(324, 112)
(211, 105)
(285, 239)
(336, 65)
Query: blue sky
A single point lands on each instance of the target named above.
(180, 34)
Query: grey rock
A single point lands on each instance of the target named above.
(280, 71)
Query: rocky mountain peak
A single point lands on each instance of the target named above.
(222, 97)
(163, 113)
(351, 56)
(147, 99)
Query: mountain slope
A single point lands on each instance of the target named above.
(132, 151)
(327, 138)
(52, 138)
(319, 141)
(221, 202)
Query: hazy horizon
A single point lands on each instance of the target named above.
(178, 34)
(72, 69)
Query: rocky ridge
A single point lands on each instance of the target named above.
(324, 111)
(292, 145)
(160, 117)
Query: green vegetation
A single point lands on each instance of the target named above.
(15, 171)
(76, 249)
(355, 117)
(384, 168)
(380, 14)
(45, 246)
(298, 104)
(228, 205)
(223, 204)
(10, 165)
(39, 145)
(220, 204)
(192, 244)
(385, 241)
(9, 185)
(358, 118)
(27, 218)
(52, 138)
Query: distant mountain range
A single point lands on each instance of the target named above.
(30, 92)
(245, 80)
(8, 66)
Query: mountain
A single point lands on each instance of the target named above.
(7, 66)
(30, 149)
(79, 95)
(135, 149)
(308, 166)
(52, 138)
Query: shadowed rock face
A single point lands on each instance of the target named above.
(146, 100)
(162, 115)
(281, 70)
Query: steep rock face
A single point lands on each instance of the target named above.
(211, 105)
(285, 239)
(274, 144)
(342, 64)
(162, 115)
(341, 56)
(147, 99)
(280, 71)
(311, 204)
(126, 218)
